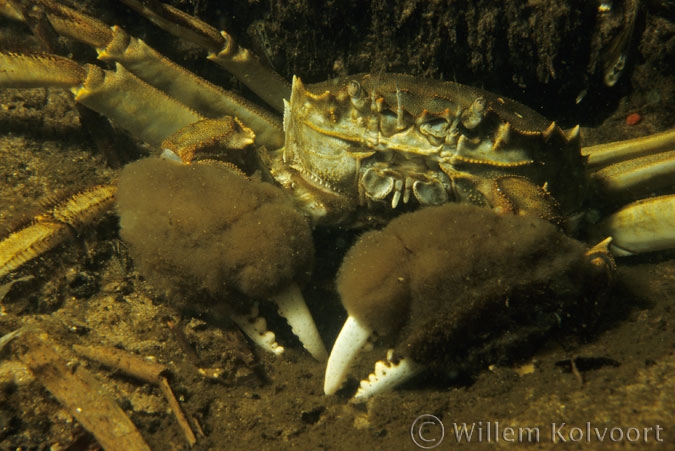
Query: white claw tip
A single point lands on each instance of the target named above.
(348, 344)
(292, 306)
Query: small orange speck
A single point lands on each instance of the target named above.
(633, 118)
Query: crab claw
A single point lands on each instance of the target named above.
(456, 287)
(214, 239)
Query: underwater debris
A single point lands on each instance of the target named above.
(80, 393)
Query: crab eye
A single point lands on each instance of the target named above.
(358, 96)
(473, 116)
(354, 88)
(479, 105)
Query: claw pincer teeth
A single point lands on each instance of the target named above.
(387, 375)
(255, 328)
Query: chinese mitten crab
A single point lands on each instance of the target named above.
(351, 152)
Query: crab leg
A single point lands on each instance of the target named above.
(266, 83)
(602, 155)
(644, 226)
(628, 169)
(115, 45)
(119, 95)
(625, 169)
(223, 50)
(53, 228)
(64, 20)
(644, 174)
(181, 84)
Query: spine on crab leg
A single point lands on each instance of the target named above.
(267, 84)
(134, 105)
(292, 306)
(647, 225)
